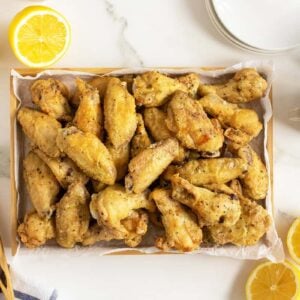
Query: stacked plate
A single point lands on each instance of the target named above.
(262, 26)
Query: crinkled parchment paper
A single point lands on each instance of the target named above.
(270, 246)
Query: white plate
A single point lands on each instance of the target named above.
(271, 25)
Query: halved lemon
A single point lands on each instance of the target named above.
(39, 36)
(293, 241)
(273, 281)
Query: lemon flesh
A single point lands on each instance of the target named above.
(39, 36)
(273, 281)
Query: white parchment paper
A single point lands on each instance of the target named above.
(269, 247)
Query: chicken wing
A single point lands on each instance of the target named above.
(245, 86)
(155, 123)
(41, 184)
(256, 180)
(207, 171)
(191, 126)
(72, 216)
(242, 120)
(35, 231)
(100, 83)
(136, 225)
(182, 230)
(51, 96)
(251, 226)
(88, 153)
(113, 205)
(88, 117)
(63, 168)
(119, 112)
(120, 157)
(140, 140)
(149, 164)
(153, 88)
(192, 82)
(210, 207)
(41, 129)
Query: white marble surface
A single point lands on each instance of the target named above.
(151, 33)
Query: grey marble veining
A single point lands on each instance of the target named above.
(130, 54)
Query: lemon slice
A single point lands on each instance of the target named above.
(293, 241)
(273, 281)
(39, 36)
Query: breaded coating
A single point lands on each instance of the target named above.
(255, 181)
(140, 140)
(136, 225)
(63, 168)
(88, 117)
(88, 153)
(41, 184)
(245, 86)
(119, 112)
(240, 121)
(207, 171)
(149, 164)
(120, 157)
(153, 88)
(51, 96)
(254, 222)
(155, 123)
(210, 207)
(36, 231)
(191, 126)
(113, 205)
(182, 230)
(41, 129)
(192, 82)
(72, 216)
(100, 83)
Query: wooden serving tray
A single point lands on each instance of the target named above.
(97, 71)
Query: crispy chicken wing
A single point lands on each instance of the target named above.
(245, 86)
(182, 230)
(149, 164)
(119, 112)
(88, 153)
(41, 184)
(35, 231)
(210, 207)
(153, 88)
(41, 129)
(256, 180)
(63, 168)
(113, 205)
(120, 157)
(140, 140)
(88, 117)
(251, 226)
(190, 124)
(51, 96)
(242, 122)
(100, 83)
(155, 123)
(72, 216)
(192, 82)
(136, 225)
(207, 171)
